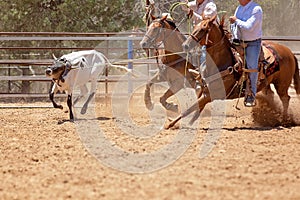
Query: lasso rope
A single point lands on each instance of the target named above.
(175, 5)
(118, 63)
(171, 10)
(243, 76)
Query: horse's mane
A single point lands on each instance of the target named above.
(168, 20)
(172, 23)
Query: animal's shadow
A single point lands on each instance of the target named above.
(82, 119)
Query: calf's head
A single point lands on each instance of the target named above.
(58, 68)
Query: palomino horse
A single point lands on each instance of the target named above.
(164, 31)
(212, 34)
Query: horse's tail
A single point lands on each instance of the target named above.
(297, 77)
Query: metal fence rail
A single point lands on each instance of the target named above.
(107, 38)
(37, 42)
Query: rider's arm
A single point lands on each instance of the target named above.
(250, 24)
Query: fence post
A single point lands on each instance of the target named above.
(106, 69)
(130, 65)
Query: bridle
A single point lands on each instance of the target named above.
(161, 30)
(153, 38)
(199, 39)
(206, 33)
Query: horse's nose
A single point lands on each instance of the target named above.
(185, 47)
(143, 44)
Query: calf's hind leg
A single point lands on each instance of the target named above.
(83, 91)
(85, 105)
(92, 94)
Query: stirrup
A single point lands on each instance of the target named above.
(250, 101)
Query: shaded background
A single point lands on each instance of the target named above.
(280, 17)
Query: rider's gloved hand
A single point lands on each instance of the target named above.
(190, 13)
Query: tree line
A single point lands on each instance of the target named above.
(280, 17)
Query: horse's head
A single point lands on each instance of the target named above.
(58, 67)
(158, 31)
(204, 33)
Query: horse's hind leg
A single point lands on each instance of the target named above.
(163, 99)
(147, 96)
(285, 99)
(285, 103)
(268, 95)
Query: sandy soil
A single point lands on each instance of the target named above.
(43, 156)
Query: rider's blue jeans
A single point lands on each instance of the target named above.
(252, 55)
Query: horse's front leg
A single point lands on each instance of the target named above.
(147, 96)
(163, 99)
(157, 78)
(197, 106)
(176, 82)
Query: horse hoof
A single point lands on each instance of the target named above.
(150, 106)
(168, 126)
(171, 126)
(175, 108)
(288, 122)
(172, 107)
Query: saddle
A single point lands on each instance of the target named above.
(268, 64)
(268, 59)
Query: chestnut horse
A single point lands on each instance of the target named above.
(164, 31)
(212, 34)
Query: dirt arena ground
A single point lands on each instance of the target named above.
(43, 157)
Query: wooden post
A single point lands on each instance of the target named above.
(130, 65)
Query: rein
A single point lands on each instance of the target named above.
(152, 39)
(220, 42)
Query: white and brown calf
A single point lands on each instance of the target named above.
(85, 66)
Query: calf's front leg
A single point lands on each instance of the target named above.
(52, 91)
